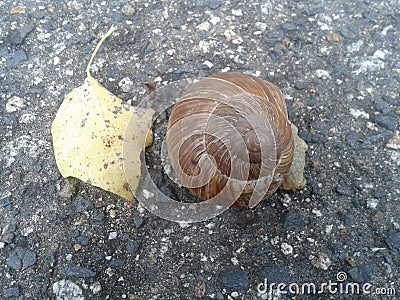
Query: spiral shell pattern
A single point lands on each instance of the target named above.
(231, 129)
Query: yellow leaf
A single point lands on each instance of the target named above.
(88, 132)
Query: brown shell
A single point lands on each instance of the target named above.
(227, 124)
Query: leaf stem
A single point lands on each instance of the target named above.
(109, 32)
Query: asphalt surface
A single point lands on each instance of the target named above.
(337, 63)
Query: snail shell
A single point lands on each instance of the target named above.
(231, 130)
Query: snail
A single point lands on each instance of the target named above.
(230, 132)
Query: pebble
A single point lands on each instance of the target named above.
(7, 238)
(126, 84)
(370, 16)
(370, 64)
(321, 261)
(16, 58)
(132, 246)
(14, 104)
(99, 218)
(359, 185)
(95, 287)
(261, 26)
(372, 203)
(18, 36)
(76, 271)
(83, 240)
(394, 143)
(66, 289)
(357, 113)
(286, 249)
(11, 292)
(128, 10)
(237, 12)
(352, 139)
(112, 235)
(117, 263)
(294, 219)
(379, 54)
(299, 86)
(355, 47)
(21, 258)
(387, 122)
(97, 255)
(362, 274)
(138, 221)
(5, 202)
(393, 241)
(236, 279)
(208, 64)
(345, 191)
(323, 74)
(390, 100)
(382, 107)
(377, 138)
(82, 205)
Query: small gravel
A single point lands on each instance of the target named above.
(77, 271)
(67, 290)
(337, 65)
(21, 258)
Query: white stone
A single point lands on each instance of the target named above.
(215, 20)
(328, 229)
(379, 54)
(261, 26)
(208, 63)
(286, 249)
(237, 12)
(171, 52)
(27, 118)
(395, 156)
(357, 113)
(14, 103)
(372, 203)
(126, 84)
(112, 235)
(95, 287)
(322, 261)
(355, 47)
(205, 26)
(317, 212)
(234, 261)
(394, 143)
(147, 194)
(66, 289)
(323, 74)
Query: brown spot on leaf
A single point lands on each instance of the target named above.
(126, 186)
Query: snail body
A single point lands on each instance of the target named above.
(230, 132)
